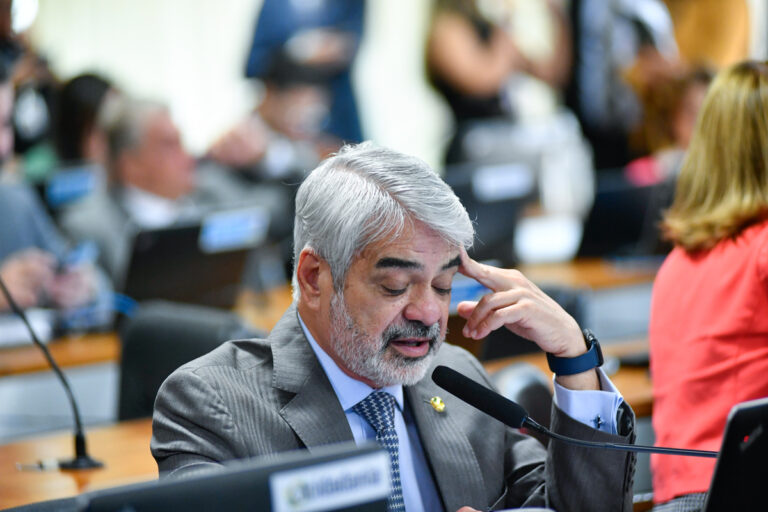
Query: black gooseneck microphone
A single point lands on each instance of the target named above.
(82, 460)
(513, 415)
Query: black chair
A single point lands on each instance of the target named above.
(160, 337)
(526, 385)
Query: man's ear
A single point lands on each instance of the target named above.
(314, 278)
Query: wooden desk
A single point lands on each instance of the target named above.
(123, 448)
(67, 351)
(590, 273)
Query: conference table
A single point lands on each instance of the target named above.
(124, 447)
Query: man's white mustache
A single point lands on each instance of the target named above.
(411, 330)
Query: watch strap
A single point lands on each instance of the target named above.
(573, 365)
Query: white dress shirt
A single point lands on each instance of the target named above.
(151, 211)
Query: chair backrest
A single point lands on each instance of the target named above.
(160, 337)
(526, 385)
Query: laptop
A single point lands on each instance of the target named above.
(738, 482)
(341, 477)
(199, 263)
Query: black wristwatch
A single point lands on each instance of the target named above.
(572, 365)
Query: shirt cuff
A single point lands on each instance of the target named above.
(597, 409)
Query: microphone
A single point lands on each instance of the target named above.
(82, 460)
(513, 415)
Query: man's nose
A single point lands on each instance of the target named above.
(424, 307)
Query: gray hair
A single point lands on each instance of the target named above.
(366, 194)
(124, 120)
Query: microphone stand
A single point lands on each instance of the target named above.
(81, 460)
(616, 446)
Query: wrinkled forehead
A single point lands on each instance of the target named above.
(416, 247)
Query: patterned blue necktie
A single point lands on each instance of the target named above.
(378, 409)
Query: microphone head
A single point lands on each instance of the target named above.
(479, 396)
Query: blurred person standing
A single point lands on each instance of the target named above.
(284, 136)
(154, 183)
(708, 329)
(302, 51)
(623, 48)
(474, 53)
(321, 36)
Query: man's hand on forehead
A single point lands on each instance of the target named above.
(519, 305)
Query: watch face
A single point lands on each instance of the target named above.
(592, 340)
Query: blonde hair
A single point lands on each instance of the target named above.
(723, 183)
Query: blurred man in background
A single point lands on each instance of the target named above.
(154, 183)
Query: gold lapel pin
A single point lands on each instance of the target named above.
(437, 403)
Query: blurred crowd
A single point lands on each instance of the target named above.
(572, 86)
(552, 102)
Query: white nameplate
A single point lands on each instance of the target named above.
(331, 485)
(234, 229)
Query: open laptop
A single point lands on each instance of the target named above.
(200, 263)
(740, 478)
(341, 477)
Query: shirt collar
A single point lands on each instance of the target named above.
(349, 391)
(149, 210)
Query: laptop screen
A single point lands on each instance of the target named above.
(739, 478)
(200, 263)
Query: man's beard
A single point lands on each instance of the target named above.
(372, 357)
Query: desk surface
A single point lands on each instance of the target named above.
(67, 351)
(124, 448)
(592, 273)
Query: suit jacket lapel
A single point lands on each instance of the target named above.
(314, 413)
(454, 464)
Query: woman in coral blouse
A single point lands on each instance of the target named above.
(709, 314)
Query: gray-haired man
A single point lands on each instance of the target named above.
(378, 238)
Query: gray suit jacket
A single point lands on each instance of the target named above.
(258, 397)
